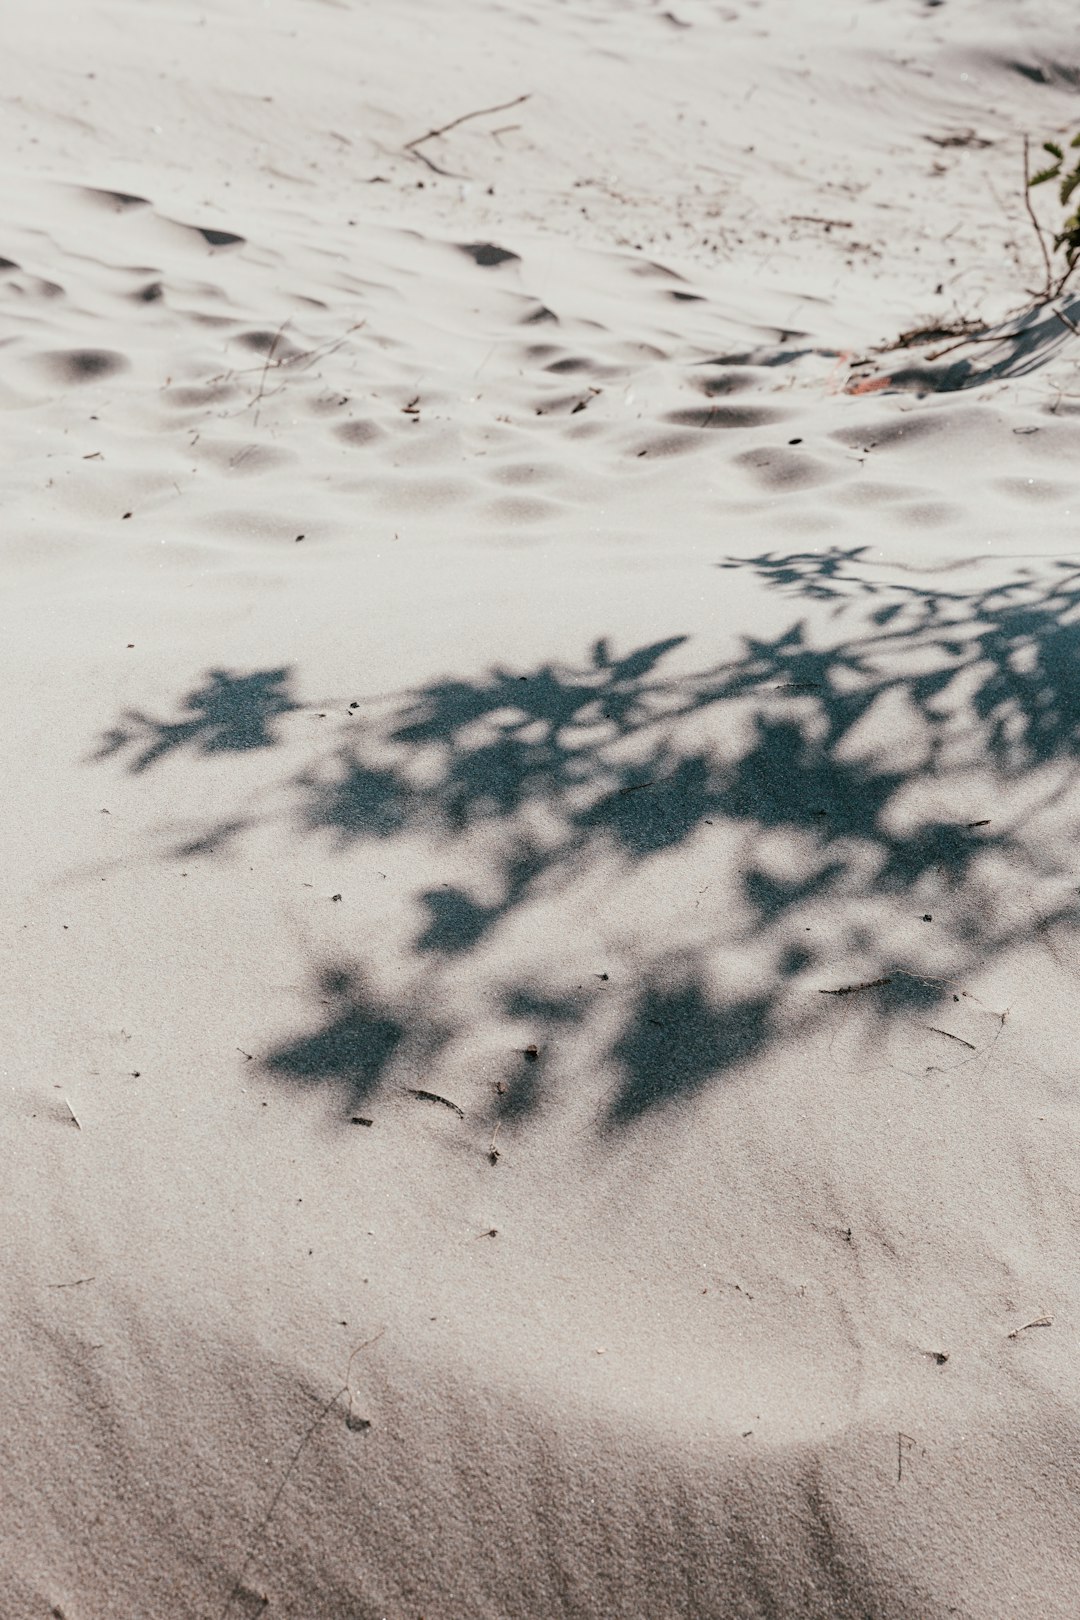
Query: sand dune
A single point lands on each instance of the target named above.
(540, 813)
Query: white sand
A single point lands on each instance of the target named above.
(410, 660)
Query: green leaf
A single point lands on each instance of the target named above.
(1054, 149)
(1069, 185)
(1044, 175)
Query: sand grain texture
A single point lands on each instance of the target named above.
(489, 620)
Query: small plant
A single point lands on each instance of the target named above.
(1031, 327)
(1067, 239)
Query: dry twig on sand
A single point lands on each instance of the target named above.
(311, 357)
(1036, 227)
(901, 1440)
(266, 367)
(850, 989)
(1040, 1321)
(298, 361)
(412, 147)
(950, 1037)
(433, 1096)
(964, 331)
(323, 1412)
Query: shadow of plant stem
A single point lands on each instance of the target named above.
(840, 768)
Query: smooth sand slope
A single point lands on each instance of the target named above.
(540, 913)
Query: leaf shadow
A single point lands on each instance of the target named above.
(544, 781)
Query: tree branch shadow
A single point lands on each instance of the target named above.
(827, 762)
(227, 713)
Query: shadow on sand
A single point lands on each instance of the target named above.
(840, 767)
(1017, 347)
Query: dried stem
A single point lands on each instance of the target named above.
(266, 367)
(481, 112)
(1048, 291)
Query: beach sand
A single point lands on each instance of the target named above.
(541, 905)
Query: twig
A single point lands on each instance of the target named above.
(481, 112)
(816, 219)
(433, 1096)
(850, 989)
(299, 362)
(996, 337)
(900, 1439)
(432, 134)
(78, 1282)
(319, 352)
(963, 137)
(935, 1031)
(635, 788)
(975, 337)
(914, 336)
(350, 1420)
(435, 168)
(322, 1414)
(1040, 1321)
(266, 365)
(1036, 227)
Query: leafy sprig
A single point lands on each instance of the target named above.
(1066, 239)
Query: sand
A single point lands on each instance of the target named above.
(540, 914)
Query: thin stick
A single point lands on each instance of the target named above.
(435, 168)
(900, 1439)
(1065, 321)
(348, 1371)
(433, 1096)
(950, 1037)
(975, 337)
(321, 1415)
(276, 1498)
(319, 352)
(1063, 280)
(73, 1114)
(266, 366)
(1040, 1321)
(481, 112)
(443, 129)
(288, 364)
(1036, 227)
(851, 989)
